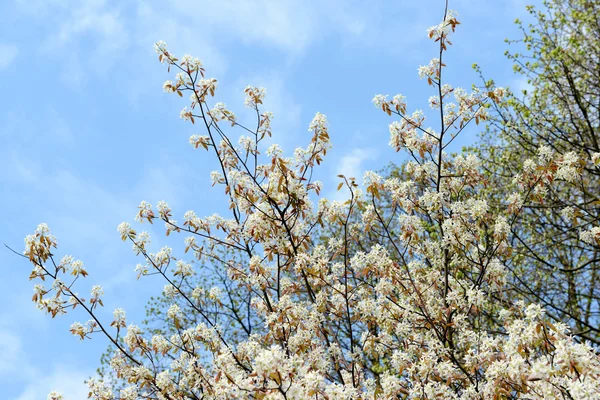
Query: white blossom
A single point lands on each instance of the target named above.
(318, 123)
(55, 396)
(590, 236)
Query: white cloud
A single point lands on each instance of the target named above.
(12, 352)
(90, 35)
(21, 170)
(17, 366)
(98, 35)
(97, 20)
(291, 25)
(65, 379)
(41, 8)
(73, 73)
(8, 53)
(519, 84)
(351, 166)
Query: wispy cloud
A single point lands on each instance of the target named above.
(12, 356)
(519, 84)
(351, 165)
(8, 53)
(17, 365)
(99, 35)
(291, 25)
(71, 26)
(66, 379)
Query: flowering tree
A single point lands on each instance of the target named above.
(553, 126)
(408, 303)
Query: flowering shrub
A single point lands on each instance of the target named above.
(405, 301)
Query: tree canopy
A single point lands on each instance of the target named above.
(456, 276)
(555, 240)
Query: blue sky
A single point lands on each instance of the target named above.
(86, 132)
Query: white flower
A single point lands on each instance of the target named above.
(160, 343)
(100, 390)
(477, 208)
(39, 289)
(189, 216)
(162, 257)
(399, 100)
(160, 47)
(568, 213)
(90, 325)
(131, 338)
(77, 329)
(545, 154)
(215, 293)
(246, 143)
(499, 92)
(164, 380)
(318, 123)
(430, 70)
(170, 291)
(97, 291)
(529, 166)
(193, 64)
(591, 236)
(216, 177)
(66, 261)
(163, 208)
(190, 241)
(145, 211)
(443, 28)
(567, 167)
(434, 102)
(184, 269)
(207, 86)
(124, 229)
(220, 112)
(119, 317)
(77, 268)
(55, 396)
(379, 100)
(372, 178)
(52, 305)
(274, 150)
(129, 393)
(141, 269)
(254, 96)
(501, 228)
(57, 284)
(42, 230)
(182, 79)
(198, 293)
(446, 88)
(515, 201)
(73, 299)
(168, 87)
(200, 140)
(185, 114)
(174, 312)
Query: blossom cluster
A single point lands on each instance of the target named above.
(397, 292)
